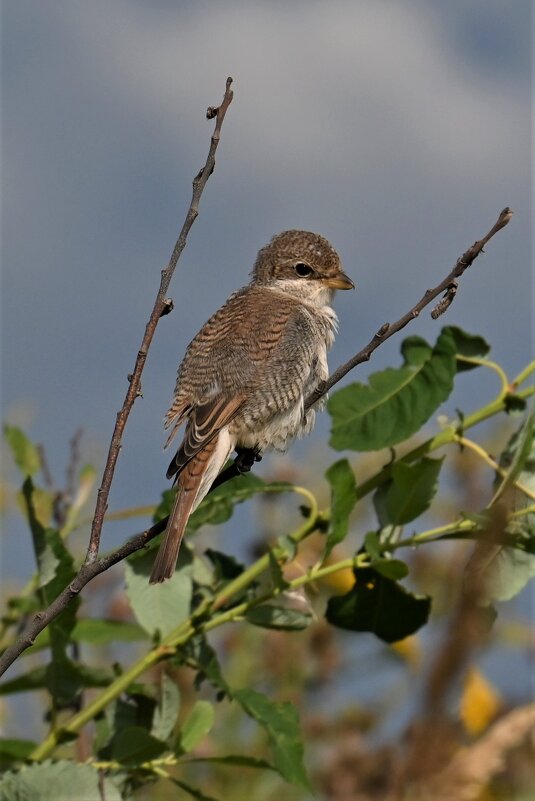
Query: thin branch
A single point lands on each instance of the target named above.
(389, 329)
(161, 306)
(92, 565)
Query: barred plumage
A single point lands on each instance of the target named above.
(245, 376)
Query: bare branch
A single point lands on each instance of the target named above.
(449, 285)
(92, 565)
(161, 307)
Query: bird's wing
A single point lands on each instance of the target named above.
(259, 344)
(204, 422)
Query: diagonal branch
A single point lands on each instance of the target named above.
(94, 567)
(448, 285)
(160, 308)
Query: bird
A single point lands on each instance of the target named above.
(244, 378)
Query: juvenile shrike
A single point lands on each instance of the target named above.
(245, 376)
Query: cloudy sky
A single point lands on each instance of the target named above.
(397, 130)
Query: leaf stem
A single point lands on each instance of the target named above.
(487, 458)
(491, 365)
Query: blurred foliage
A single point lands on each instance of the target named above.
(254, 680)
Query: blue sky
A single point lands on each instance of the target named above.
(398, 131)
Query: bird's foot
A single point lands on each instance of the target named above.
(245, 459)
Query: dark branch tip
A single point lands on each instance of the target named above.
(168, 307)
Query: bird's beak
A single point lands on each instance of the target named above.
(340, 281)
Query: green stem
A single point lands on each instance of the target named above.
(461, 525)
(490, 364)
(525, 373)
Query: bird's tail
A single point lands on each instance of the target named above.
(193, 484)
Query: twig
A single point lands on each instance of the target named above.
(74, 461)
(161, 307)
(389, 329)
(93, 566)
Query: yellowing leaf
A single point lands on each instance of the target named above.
(341, 581)
(480, 702)
(42, 504)
(410, 650)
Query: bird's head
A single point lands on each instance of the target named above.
(302, 264)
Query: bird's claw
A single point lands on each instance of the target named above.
(245, 459)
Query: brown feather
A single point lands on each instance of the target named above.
(204, 422)
(188, 486)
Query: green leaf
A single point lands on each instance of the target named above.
(520, 450)
(415, 351)
(95, 631)
(391, 568)
(159, 608)
(275, 571)
(194, 792)
(166, 713)
(469, 345)
(396, 402)
(47, 561)
(386, 566)
(513, 404)
(38, 678)
(269, 616)
(409, 491)
(196, 726)
(508, 573)
(218, 505)
(14, 751)
(226, 567)
(24, 452)
(57, 781)
(281, 722)
(133, 711)
(509, 567)
(199, 652)
(372, 545)
(343, 498)
(56, 571)
(378, 605)
(134, 745)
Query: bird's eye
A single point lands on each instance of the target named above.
(303, 270)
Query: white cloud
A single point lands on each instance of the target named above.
(335, 84)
